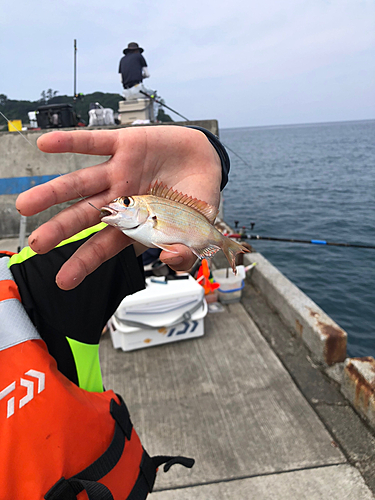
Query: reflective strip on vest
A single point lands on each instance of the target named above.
(15, 325)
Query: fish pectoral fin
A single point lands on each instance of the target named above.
(205, 252)
(167, 248)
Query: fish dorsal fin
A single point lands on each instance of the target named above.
(162, 191)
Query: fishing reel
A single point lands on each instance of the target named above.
(243, 233)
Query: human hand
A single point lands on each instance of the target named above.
(180, 157)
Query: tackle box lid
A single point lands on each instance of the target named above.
(161, 297)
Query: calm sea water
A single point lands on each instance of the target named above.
(313, 182)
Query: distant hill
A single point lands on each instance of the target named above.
(17, 110)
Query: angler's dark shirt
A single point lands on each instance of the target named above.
(131, 68)
(71, 322)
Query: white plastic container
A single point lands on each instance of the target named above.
(231, 285)
(162, 313)
(136, 109)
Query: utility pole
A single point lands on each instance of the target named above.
(75, 70)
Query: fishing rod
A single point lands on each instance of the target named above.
(152, 96)
(292, 240)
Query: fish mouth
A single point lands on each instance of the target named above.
(107, 211)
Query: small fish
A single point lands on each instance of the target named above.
(163, 217)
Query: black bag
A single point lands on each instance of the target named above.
(56, 116)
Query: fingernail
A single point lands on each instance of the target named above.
(32, 239)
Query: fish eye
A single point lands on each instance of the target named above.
(127, 201)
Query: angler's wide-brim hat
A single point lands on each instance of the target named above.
(132, 46)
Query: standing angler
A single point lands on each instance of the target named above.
(164, 217)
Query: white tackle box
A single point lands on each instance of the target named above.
(166, 311)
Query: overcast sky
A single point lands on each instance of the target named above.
(244, 62)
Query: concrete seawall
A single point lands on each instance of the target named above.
(325, 340)
(23, 166)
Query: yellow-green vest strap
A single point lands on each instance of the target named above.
(26, 252)
(86, 357)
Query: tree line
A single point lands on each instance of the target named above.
(15, 109)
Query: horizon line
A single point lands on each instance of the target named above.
(306, 124)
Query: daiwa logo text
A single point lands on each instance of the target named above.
(30, 393)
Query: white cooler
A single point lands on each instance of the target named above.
(163, 312)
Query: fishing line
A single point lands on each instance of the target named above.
(152, 97)
(238, 156)
(291, 240)
(16, 129)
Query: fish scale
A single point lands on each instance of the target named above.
(169, 213)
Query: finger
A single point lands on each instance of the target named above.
(67, 187)
(183, 261)
(67, 223)
(91, 142)
(98, 249)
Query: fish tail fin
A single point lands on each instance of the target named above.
(231, 249)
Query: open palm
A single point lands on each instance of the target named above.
(180, 157)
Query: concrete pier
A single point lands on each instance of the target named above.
(256, 408)
(257, 427)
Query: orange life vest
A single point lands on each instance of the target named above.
(57, 441)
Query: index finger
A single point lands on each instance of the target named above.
(90, 142)
(78, 184)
